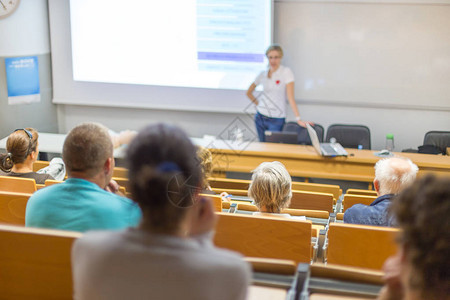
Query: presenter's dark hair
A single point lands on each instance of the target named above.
(165, 175)
(19, 145)
(422, 212)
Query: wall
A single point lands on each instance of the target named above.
(26, 33)
(408, 123)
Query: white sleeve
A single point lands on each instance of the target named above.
(289, 76)
(259, 78)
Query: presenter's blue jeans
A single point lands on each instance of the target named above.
(264, 123)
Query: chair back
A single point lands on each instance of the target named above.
(439, 139)
(120, 172)
(36, 263)
(231, 191)
(216, 201)
(359, 245)
(17, 184)
(12, 207)
(265, 237)
(350, 136)
(350, 200)
(40, 164)
(49, 182)
(302, 133)
(228, 183)
(361, 192)
(312, 200)
(318, 187)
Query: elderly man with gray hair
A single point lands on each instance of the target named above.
(392, 175)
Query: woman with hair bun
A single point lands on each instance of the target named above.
(22, 152)
(170, 255)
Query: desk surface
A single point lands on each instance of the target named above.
(53, 143)
(300, 160)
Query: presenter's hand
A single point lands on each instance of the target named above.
(204, 218)
(303, 123)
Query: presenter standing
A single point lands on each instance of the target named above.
(278, 86)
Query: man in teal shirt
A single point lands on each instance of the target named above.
(88, 199)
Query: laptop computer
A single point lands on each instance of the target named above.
(283, 137)
(325, 149)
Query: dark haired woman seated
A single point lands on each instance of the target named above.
(22, 152)
(170, 255)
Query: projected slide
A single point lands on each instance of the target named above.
(187, 43)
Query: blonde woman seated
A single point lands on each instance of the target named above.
(270, 189)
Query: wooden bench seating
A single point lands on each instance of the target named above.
(35, 263)
(360, 246)
(265, 237)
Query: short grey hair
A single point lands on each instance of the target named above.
(271, 186)
(394, 174)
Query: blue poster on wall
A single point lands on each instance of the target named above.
(22, 76)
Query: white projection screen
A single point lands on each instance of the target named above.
(179, 54)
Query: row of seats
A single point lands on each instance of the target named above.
(13, 205)
(38, 266)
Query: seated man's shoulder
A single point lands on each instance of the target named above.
(374, 214)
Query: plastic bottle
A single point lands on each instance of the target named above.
(239, 134)
(390, 142)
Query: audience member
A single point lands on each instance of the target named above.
(87, 199)
(205, 160)
(391, 176)
(22, 152)
(270, 189)
(421, 267)
(170, 255)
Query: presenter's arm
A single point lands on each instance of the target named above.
(291, 98)
(250, 90)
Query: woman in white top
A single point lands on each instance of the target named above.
(278, 86)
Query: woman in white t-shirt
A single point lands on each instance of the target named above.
(278, 86)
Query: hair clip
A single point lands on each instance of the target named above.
(168, 166)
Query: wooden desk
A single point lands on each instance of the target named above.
(265, 293)
(53, 143)
(303, 161)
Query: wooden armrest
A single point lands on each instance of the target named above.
(272, 265)
(347, 273)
